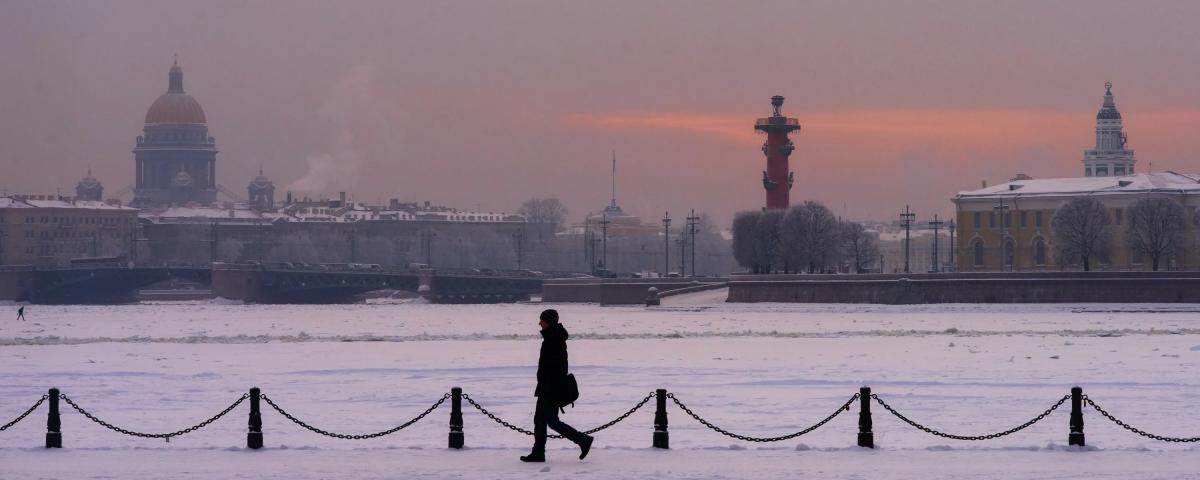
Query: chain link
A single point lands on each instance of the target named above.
(26, 414)
(355, 437)
(166, 436)
(1137, 431)
(971, 437)
(527, 432)
(845, 407)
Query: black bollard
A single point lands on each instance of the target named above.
(53, 422)
(865, 437)
(661, 438)
(1076, 436)
(254, 437)
(456, 420)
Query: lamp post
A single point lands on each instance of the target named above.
(935, 225)
(666, 221)
(1002, 211)
(953, 260)
(693, 222)
(604, 221)
(906, 219)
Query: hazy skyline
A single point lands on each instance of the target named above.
(486, 104)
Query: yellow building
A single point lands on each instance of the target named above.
(1021, 212)
(48, 230)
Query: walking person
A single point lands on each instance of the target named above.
(21, 313)
(551, 375)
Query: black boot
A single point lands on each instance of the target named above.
(534, 457)
(585, 446)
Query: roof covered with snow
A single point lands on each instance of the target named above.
(1164, 182)
(20, 202)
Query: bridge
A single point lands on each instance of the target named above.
(280, 283)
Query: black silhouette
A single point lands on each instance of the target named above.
(551, 379)
(21, 313)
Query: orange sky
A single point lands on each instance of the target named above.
(485, 104)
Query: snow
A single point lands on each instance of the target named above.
(1163, 182)
(755, 369)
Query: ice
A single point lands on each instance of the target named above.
(755, 369)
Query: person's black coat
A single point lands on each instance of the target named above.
(552, 364)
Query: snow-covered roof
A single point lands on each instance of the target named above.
(1165, 182)
(15, 202)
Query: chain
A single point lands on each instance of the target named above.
(845, 407)
(1135, 430)
(971, 437)
(527, 432)
(166, 436)
(26, 414)
(355, 437)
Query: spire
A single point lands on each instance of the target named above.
(614, 178)
(175, 78)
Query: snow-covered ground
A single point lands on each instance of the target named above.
(761, 369)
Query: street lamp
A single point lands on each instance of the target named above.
(666, 221)
(906, 219)
(693, 222)
(1002, 211)
(935, 225)
(953, 260)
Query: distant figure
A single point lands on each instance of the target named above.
(21, 313)
(551, 374)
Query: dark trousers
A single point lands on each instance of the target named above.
(546, 415)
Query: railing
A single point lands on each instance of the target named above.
(660, 439)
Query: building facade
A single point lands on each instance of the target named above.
(50, 231)
(175, 158)
(1010, 226)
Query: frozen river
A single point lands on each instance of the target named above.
(762, 369)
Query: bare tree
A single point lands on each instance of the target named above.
(767, 244)
(544, 210)
(1155, 228)
(744, 227)
(1081, 231)
(811, 237)
(858, 245)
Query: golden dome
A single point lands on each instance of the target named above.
(175, 106)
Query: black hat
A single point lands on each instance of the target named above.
(549, 315)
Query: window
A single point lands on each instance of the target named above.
(1119, 170)
(978, 251)
(1037, 218)
(1117, 214)
(977, 219)
(1007, 219)
(1023, 222)
(1039, 252)
(991, 219)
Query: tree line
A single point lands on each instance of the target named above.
(1154, 230)
(804, 238)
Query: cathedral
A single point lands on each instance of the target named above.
(176, 159)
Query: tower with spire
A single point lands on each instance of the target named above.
(1109, 158)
